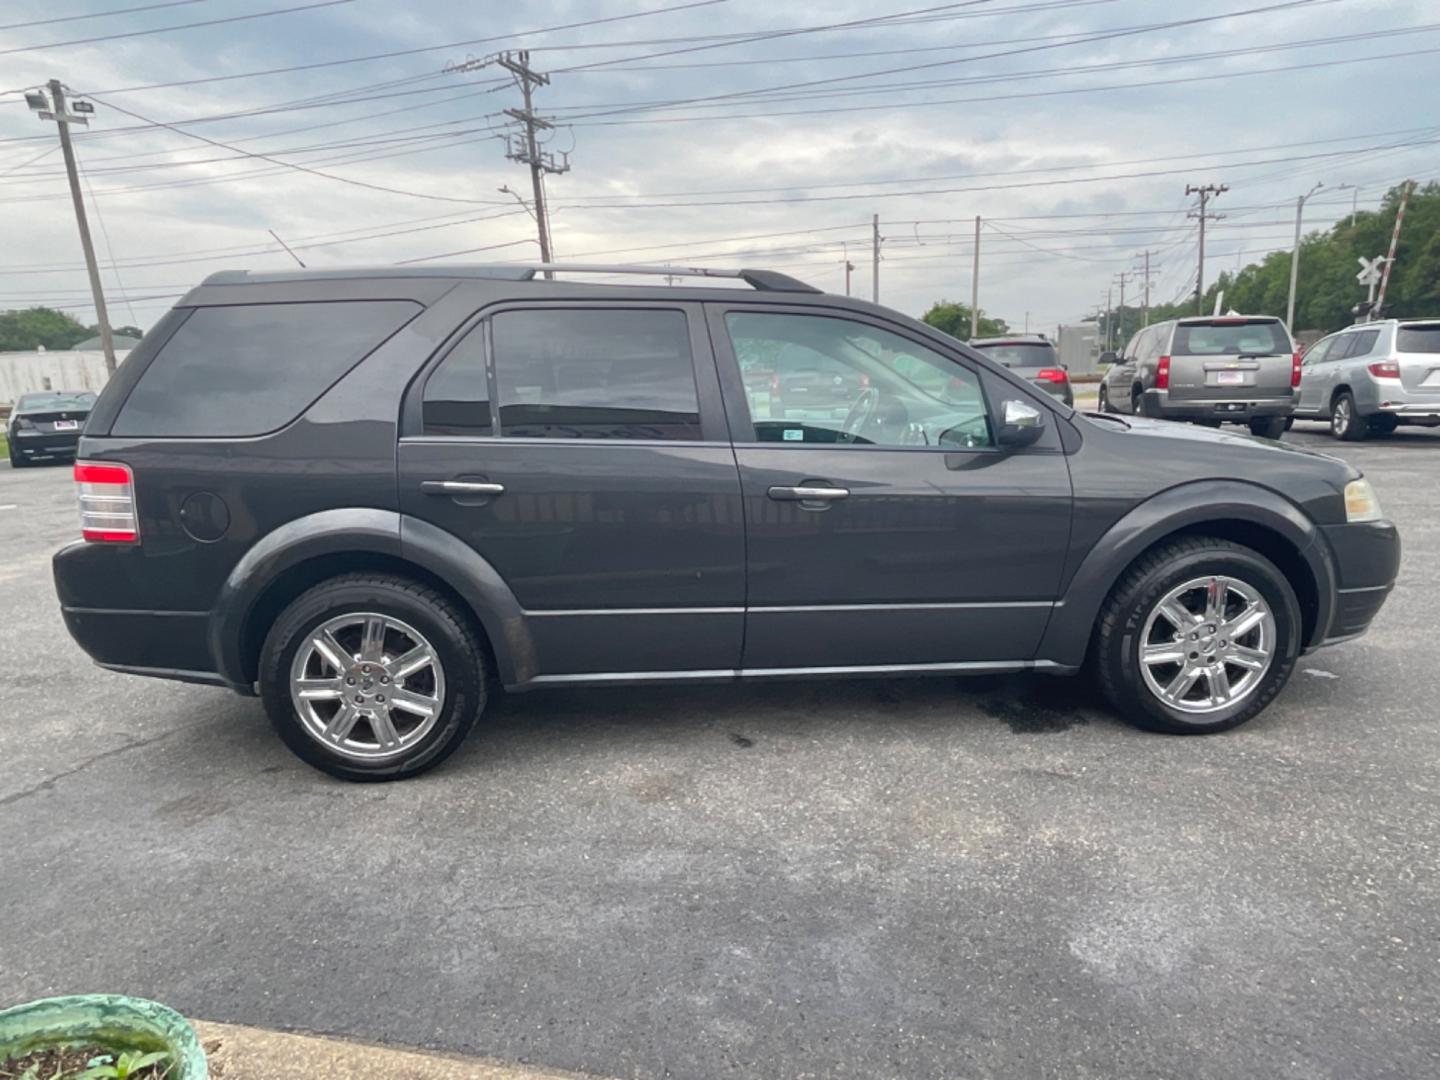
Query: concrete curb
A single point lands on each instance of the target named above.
(246, 1053)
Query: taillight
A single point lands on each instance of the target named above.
(107, 503)
(1295, 369)
(1052, 374)
(1162, 374)
(1385, 369)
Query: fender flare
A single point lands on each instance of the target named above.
(1067, 635)
(369, 531)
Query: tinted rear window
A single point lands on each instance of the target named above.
(250, 369)
(1229, 339)
(1020, 354)
(1418, 339)
(36, 402)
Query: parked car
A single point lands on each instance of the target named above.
(1210, 370)
(47, 424)
(373, 497)
(1033, 357)
(1370, 378)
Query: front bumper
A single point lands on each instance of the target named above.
(38, 444)
(1367, 561)
(1159, 405)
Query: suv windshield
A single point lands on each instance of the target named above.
(1263, 337)
(1020, 354)
(1423, 338)
(30, 402)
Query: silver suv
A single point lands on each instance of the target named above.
(1238, 369)
(1370, 378)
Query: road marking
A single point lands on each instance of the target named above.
(1321, 673)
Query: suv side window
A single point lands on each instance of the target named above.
(595, 374)
(825, 379)
(1316, 354)
(1362, 343)
(457, 394)
(250, 369)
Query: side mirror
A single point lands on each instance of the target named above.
(1107, 358)
(1020, 425)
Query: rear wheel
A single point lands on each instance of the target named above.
(1198, 636)
(1344, 422)
(1104, 402)
(1269, 427)
(372, 677)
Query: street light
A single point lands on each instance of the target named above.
(1295, 257)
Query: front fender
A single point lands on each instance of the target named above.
(1068, 633)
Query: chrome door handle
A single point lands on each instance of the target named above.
(808, 494)
(460, 487)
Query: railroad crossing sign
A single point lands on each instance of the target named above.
(1370, 270)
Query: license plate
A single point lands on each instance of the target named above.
(1229, 378)
(66, 425)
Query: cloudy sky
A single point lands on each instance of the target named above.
(709, 133)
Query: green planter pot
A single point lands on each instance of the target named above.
(110, 1020)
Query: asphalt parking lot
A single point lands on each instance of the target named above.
(846, 879)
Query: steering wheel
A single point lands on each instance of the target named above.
(861, 412)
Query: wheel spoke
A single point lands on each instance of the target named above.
(372, 645)
(330, 650)
(1215, 599)
(1163, 652)
(341, 723)
(320, 689)
(410, 701)
(1178, 616)
(384, 728)
(1246, 657)
(1219, 680)
(1181, 684)
(1246, 621)
(419, 657)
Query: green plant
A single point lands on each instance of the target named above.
(123, 1066)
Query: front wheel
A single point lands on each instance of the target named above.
(1345, 423)
(1269, 427)
(1197, 637)
(1104, 402)
(372, 677)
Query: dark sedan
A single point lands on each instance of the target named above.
(1031, 357)
(47, 425)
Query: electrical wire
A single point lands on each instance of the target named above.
(100, 14)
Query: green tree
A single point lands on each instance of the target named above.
(39, 327)
(954, 319)
(118, 331)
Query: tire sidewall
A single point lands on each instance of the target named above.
(1250, 567)
(465, 690)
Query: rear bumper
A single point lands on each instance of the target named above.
(1160, 405)
(1410, 412)
(1367, 561)
(28, 444)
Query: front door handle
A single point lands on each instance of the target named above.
(460, 487)
(808, 493)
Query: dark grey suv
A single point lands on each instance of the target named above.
(374, 497)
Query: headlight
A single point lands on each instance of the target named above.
(1360, 501)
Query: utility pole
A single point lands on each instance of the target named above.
(1379, 306)
(1206, 192)
(54, 109)
(525, 147)
(1145, 311)
(1295, 257)
(1109, 317)
(875, 257)
(1123, 276)
(975, 285)
(849, 269)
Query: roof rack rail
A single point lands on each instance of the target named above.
(763, 280)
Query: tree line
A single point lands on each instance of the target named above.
(45, 328)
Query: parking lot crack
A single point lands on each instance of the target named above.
(50, 781)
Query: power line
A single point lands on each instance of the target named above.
(168, 29)
(100, 14)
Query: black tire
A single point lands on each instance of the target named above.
(1143, 586)
(1345, 422)
(1103, 404)
(1384, 424)
(1289, 422)
(1269, 427)
(1135, 399)
(434, 615)
(17, 462)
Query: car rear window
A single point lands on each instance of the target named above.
(1020, 353)
(31, 402)
(1261, 337)
(250, 369)
(1424, 338)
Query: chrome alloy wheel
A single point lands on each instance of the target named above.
(1341, 417)
(367, 686)
(1207, 644)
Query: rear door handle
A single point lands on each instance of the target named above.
(460, 487)
(808, 493)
